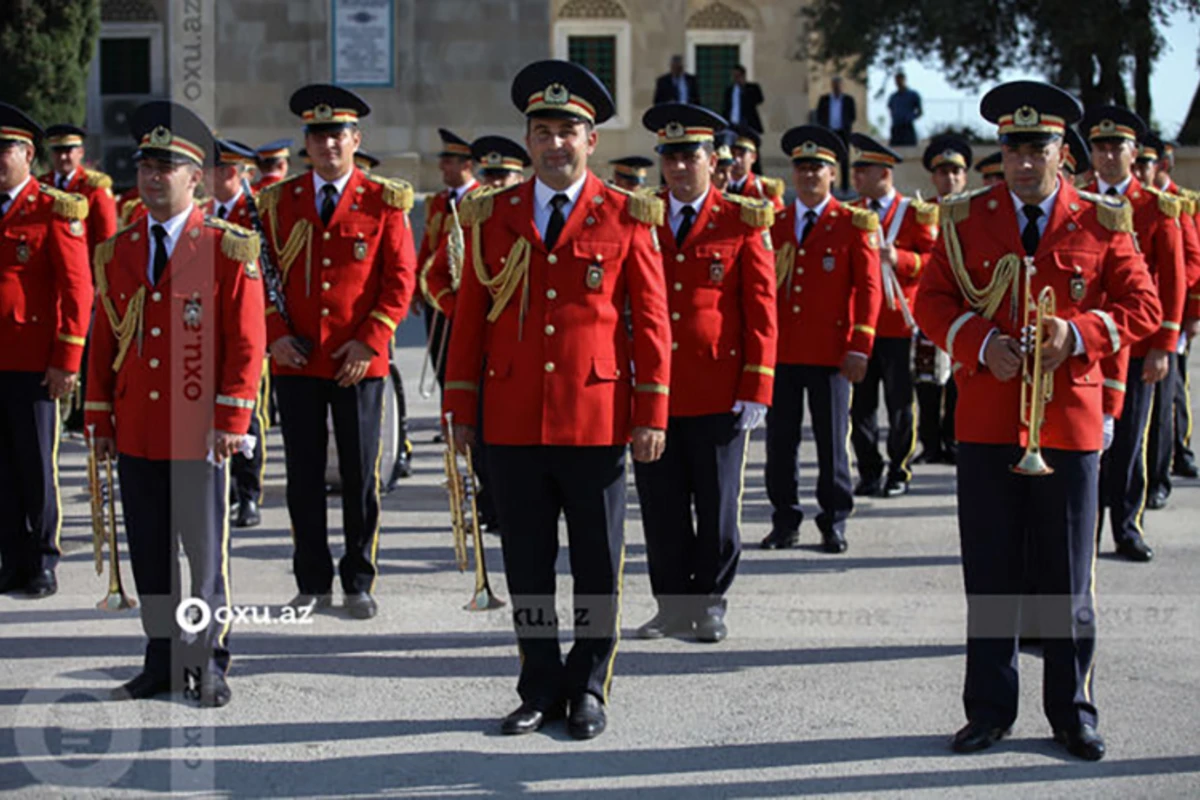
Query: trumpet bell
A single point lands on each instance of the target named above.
(117, 601)
(1032, 463)
(484, 600)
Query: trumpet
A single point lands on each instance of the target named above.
(104, 498)
(455, 249)
(1037, 384)
(463, 489)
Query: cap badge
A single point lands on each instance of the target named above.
(674, 130)
(1026, 115)
(808, 148)
(493, 159)
(160, 136)
(323, 112)
(950, 154)
(556, 94)
(1107, 126)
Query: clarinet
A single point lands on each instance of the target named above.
(272, 277)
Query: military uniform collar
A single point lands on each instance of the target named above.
(1046, 205)
(1121, 187)
(339, 184)
(802, 209)
(543, 194)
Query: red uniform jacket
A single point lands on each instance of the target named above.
(829, 288)
(1100, 282)
(238, 215)
(129, 207)
(564, 370)
(759, 188)
(266, 181)
(174, 360)
(914, 242)
(722, 300)
(45, 281)
(350, 280)
(1190, 220)
(102, 207)
(437, 287)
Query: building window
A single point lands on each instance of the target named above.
(125, 66)
(603, 46)
(714, 71)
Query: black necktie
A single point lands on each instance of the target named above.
(689, 215)
(1030, 235)
(62, 181)
(221, 212)
(1112, 190)
(557, 220)
(454, 198)
(160, 250)
(329, 203)
(810, 222)
(4, 200)
(877, 207)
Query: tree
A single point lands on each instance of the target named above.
(1088, 48)
(46, 47)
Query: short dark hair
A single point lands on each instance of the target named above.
(739, 68)
(587, 123)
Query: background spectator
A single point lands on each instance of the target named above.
(905, 107)
(836, 111)
(742, 100)
(677, 86)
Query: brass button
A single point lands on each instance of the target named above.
(156, 296)
(549, 366)
(325, 262)
(491, 373)
(324, 312)
(799, 288)
(680, 257)
(674, 345)
(156, 331)
(154, 395)
(678, 286)
(154, 362)
(33, 318)
(327, 236)
(549, 330)
(733, 352)
(799, 270)
(675, 316)
(325, 285)
(800, 252)
(553, 259)
(795, 309)
(551, 294)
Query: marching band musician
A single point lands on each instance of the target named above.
(1113, 133)
(1000, 246)
(343, 242)
(721, 279)
(908, 230)
(742, 179)
(45, 308)
(272, 162)
(723, 172)
(991, 169)
(502, 162)
(551, 266)
(828, 281)
(1077, 158)
(176, 361)
(629, 173)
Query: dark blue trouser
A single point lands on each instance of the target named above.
(1183, 413)
(1009, 524)
(167, 503)
(1160, 444)
(693, 559)
(533, 486)
(30, 520)
(1123, 474)
(889, 366)
(246, 474)
(828, 395)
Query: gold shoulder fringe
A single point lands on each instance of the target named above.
(773, 187)
(927, 213)
(68, 205)
(755, 213)
(643, 207)
(958, 206)
(397, 193)
(863, 218)
(1114, 214)
(476, 207)
(237, 243)
(97, 180)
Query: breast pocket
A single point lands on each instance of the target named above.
(716, 262)
(1076, 278)
(599, 262)
(359, 238)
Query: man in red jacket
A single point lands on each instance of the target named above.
(908, 230)
(343, 242)
(721, 279)
(45, 306)
(551, 267)
(829, 293)
(176, 361)
(1113, 133)
(1000, 245)
(743, 180)
(272, 162)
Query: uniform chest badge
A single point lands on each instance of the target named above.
(360, 250)
(827, 263)
(595, 277)
(1078, 287)
(22, 252)
(654, 239)
(766, 240)
(716, 272)
(76, 228)
(192, 314)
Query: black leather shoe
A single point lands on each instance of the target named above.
(976, 736)
(142, 687)
(528, 718)
(895, 488)
(868, 488)
(780, 540)
(587, 720)
(1186, 469)
(1134, 548)
(402, 468)
(214, 691)
(665, 624)
(1083, 742)
(361, 605)
(833, 541)
(247, 516)
(12, 579)
(42, 584)
(711, 629)
(1157, 499)
(317, 602)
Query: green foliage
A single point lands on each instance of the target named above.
(46, 47)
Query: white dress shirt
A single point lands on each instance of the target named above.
(227, 205)
(13, 194)
(174, 228)
(457, 195)
(681, 87)
(675, 211)
(885, 203)
(62, 181)
(1121, 187)
(835, 111)
(802, 210)
(543, 194)
(339, 184)
(735, 103)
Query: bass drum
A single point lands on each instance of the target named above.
(389, 432)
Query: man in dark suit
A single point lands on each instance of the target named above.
(677, 86)
(742, 100)
(836, 111)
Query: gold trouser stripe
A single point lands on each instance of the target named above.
(378, 500)
(1087, 678)
(1137, 519)
(912, 446)
(225, 554)
(612, 657)
(54, 465)
(849, 432)
(264, 423)
(1187, 396)
(742, 479)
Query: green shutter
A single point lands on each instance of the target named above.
(598, 54)
(714, 71)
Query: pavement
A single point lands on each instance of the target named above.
(842, 674)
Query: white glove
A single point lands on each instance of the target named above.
(245, 449)
(750, 414)
(1181, 348)
(1109, 428)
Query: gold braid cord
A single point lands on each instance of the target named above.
(299, 238)
(785, 260)
(123, 329)
(504, 285)
(1005, 277)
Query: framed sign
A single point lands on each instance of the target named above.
(363, 42)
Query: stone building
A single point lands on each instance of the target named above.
(424, 64)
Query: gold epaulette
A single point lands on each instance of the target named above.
(643, 207)
(1168, 204)
(397, 193)
(267, 199)
(773, 187)
(958, 206)
(1114, 213)
(67, 204)
(863, 218)
(755, 213)
(237, 243)
(476, 207)
(97, 180)
(927, 213)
